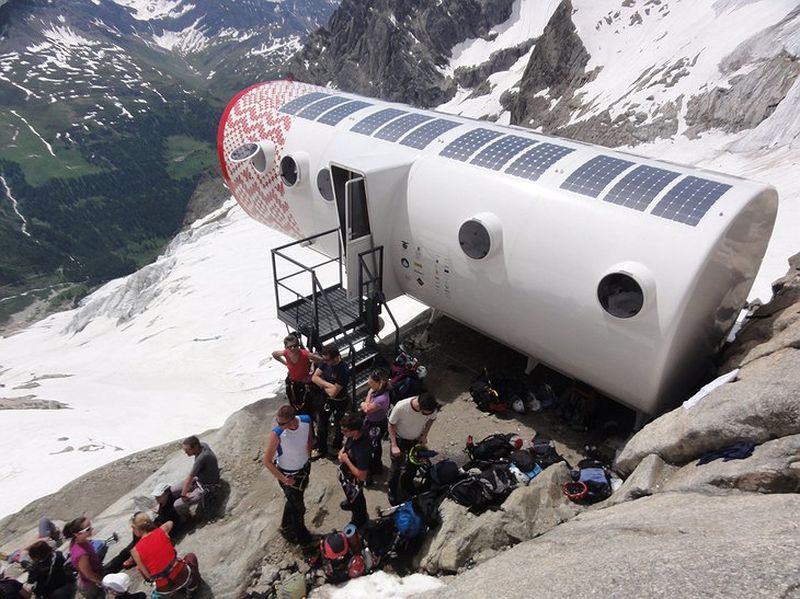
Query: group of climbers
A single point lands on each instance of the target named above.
(52, 575)
(317, 391)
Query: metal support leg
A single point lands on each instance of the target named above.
(532, 363)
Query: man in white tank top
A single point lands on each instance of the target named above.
(286, 456)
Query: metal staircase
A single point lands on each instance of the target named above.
(311, 299)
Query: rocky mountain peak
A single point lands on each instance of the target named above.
(395, 50)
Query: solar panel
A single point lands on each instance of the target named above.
(537, 160)
(332, 117)
(299, 103)
(639, 187)
(501, 151)
(420, 138)
(465, 146)
(317, 108)
(592, 177)
(395, 129)
(368, 124)
(689, 200)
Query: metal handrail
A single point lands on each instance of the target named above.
(304, 269)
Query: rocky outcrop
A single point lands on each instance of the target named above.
(395, 50)
(209, 195)
(465, 539)
(647, 479)
(762, 405)
(773, 327)
(668, 545)
(501, 60)
(774, 467)
(557, 66)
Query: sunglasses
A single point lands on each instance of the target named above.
(293, 346)
(284, 423)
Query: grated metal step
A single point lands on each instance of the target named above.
(300, 313)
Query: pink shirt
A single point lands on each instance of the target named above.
(78, 550)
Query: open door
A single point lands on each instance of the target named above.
(351, 200)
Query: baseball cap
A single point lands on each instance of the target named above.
(160, 489)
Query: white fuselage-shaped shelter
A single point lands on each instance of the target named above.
(623, 272)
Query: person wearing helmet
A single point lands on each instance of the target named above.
(409, 424)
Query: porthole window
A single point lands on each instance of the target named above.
(620, 295)
(324, 184)
(244, 152)
(289, 171)
(474, 239)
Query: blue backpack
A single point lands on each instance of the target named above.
(407, 522)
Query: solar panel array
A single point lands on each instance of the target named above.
(332, 117)
(317, 108)
(537, 160)
(369, 124)
(293, 106)
(592, 177)
(689, 200)
(501, 151)
(401, 126)
(640, 187)
(420, 138)
(465, 146)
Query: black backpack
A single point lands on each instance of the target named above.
(544, 452)
(486, 395)
(494, 448)
(481, 491)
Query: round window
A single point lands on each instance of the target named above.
(474, 239)
(324, 184)
(289, 171)
(620, 295)
(244, 152)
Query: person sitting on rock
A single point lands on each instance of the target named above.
(286, 456)
(157, 560)
(331, 377)
(86, 556)
(202, 479)
(376, 409)
(164, 512)
(117, 585)
(298, 361)
(409, 424)
(47, 574)
(354, 460)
